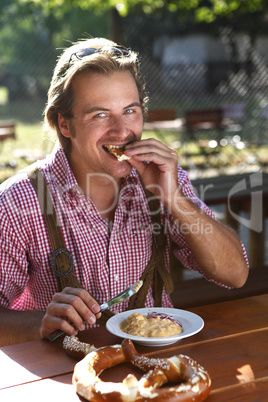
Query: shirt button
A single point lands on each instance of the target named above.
(116, 278)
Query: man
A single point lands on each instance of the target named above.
(97, 101)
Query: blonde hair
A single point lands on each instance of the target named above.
(104, 61)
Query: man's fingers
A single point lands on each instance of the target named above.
(82, 294)
(50, 323)
(69, 310)
(152, 151)
(75, 304)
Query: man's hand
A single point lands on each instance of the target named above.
(157, 165)
(217, 249)
(68, 311)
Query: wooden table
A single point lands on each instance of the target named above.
(233, 347)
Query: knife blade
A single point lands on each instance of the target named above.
(126, 294)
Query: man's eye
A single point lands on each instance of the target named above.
(129, 111)
(101, 114)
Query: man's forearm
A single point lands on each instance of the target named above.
(19, 326)
(216, 248)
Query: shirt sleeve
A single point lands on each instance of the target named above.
(13, 258)
(182, 250)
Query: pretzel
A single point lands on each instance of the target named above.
(189, 381)
(75, 348)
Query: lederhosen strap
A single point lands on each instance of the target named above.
(155, 270)
(62, 260)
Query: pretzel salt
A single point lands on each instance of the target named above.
(75, 348)
(189, 381)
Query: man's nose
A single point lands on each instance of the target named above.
(119, 126)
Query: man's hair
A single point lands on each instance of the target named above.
(108, 58)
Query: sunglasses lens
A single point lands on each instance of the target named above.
(118, 51)
(85, 52)
(88, 51)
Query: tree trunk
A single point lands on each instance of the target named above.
(115, 26)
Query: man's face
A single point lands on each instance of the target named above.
(107, 111)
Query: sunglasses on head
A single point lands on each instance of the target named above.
(114, 50)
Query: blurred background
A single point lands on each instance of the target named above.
(196, 55)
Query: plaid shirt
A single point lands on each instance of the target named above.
(107, 259)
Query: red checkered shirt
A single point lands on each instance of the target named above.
(107, 259)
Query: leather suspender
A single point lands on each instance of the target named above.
(62, 260)
(155, 270)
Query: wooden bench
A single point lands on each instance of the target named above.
(248, 188)
(199, 291)
(163, 120)
(240, 193)
(200, 121)
(227, 119)
(161, 115)
(206, 119)
(7, 130)
(194, 121)
(203, 120)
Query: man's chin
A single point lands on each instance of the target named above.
(123, 171)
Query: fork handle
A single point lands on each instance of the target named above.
(55, 334)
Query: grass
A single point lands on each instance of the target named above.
(3, 95)
(31, 143)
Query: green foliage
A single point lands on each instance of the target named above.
(31, 32)
(204, 10)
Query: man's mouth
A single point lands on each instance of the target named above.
(117, 151)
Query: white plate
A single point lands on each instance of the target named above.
(191, 324)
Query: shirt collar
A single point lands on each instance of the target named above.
(60, 170)
(62, 174)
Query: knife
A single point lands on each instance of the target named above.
(126, 294)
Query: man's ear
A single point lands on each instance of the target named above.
(64, 126)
